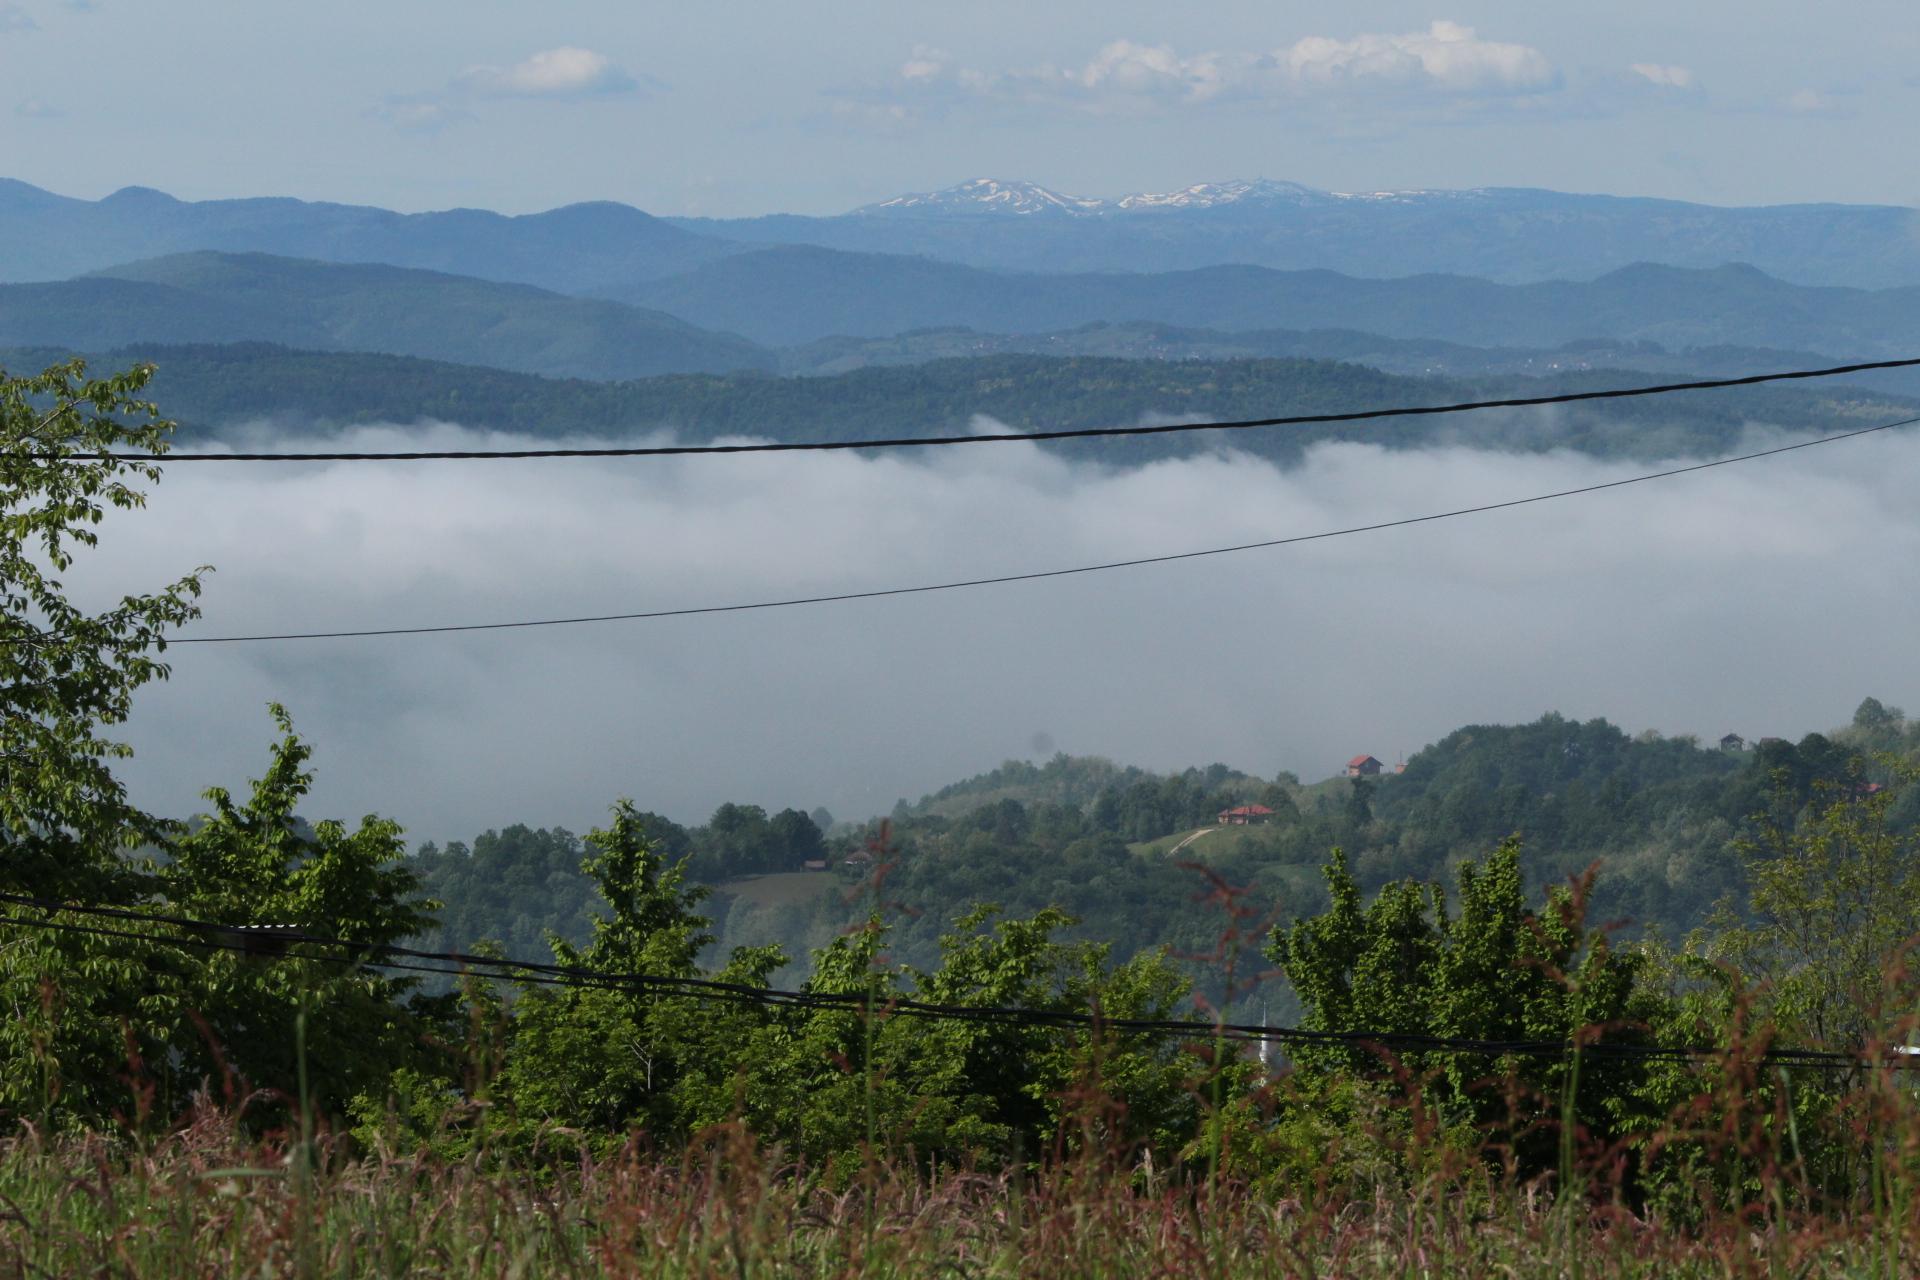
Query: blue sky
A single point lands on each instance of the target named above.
(733, 107)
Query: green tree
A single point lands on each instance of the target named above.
(117, 1026)
(1873, 714)
(84, 1013)
(793, 838)
(67, 673)
(256, 864)
(610, 1059)
(827, 1081)
(1490, 970)
(1832, 912)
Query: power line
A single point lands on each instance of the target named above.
(1002, 579)
(274, 943)
(915, 442)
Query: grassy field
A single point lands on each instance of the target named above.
(1208, 842)
(206, 1203)
(781, 887)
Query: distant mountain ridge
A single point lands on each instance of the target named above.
(571, 249)
(797, 294)
(243, 389)
(1507, 235)
(996, 196)
(1422, 357)
(987, 195)
(811, 310)
(226, 298)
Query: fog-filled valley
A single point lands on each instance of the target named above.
(1670, 609)
(1227, 658)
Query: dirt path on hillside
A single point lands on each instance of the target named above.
(1204, 831)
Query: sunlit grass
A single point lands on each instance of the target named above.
(205, 1201)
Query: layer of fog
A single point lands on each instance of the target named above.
(1766, 598)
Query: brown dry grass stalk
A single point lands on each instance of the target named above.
(207, 1200)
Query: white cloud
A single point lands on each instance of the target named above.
(1124, 67)
(1667, 77)
(1445, 61)
(925, 64)
(1446, 56)
(1810, 102)
(563, 74)
(15, 18)
(566, 72)
(38, 109)
(1677, 604)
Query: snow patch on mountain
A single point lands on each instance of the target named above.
(1209, 195)
(988, 195)
(983, 196)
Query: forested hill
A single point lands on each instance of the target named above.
(575, 247)
(1074, 781)
(794, 294)
(1115, 846)
(217, 388)
(212, 297)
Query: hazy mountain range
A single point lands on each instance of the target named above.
(49, 237)
(1430, 357)
(1503, 234)
(602, 292)
(798, 294)
(232, 390)
(217, 297)
(818, 310)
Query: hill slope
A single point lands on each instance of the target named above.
(792, 295)
(1142, 340)
(1501, 234)
(45, 237)
(210, 297)
(213, 388)
(1661, 817)
(1505, 234)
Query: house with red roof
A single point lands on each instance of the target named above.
(1363, 767)
(1245, 815)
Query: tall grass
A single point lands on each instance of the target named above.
(1756, 1171)
(208, 1200)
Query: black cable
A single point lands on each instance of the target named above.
(250, 939)
(1037, 575)
(914, 442)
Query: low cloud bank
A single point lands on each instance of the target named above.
(1761, 599)
(1444, 59)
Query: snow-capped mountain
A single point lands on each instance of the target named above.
(1029, 199)
(1211, 195)
(994, 195)
(988, 195)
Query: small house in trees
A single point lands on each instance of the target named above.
(1363, 767)
(814, 864)
(1733, 742)
(1245, 815)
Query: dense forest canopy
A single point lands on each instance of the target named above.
(237, 389)
(1659, 816)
